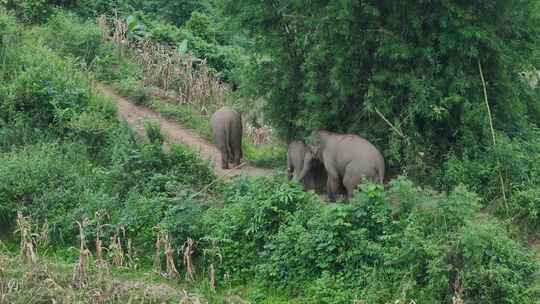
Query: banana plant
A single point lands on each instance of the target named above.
(136, 30)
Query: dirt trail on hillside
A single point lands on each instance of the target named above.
(135, 116)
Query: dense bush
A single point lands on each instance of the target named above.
(69, 35)
(404, 243)
(45, 91)
(31, 11)
(517, 159)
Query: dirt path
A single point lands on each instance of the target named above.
(135, 116)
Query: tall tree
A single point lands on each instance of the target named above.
(404, 74)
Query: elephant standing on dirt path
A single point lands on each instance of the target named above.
(347, 158)
(226, 126)
(315, 178)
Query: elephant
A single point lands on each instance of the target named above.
(226, 126)
(315, 178)
(347, 158)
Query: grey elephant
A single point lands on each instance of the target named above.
(348, 159)
(226, 126)
(315, 178)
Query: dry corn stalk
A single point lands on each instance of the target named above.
(8, 287)
(164, 242)
(119, 34)
(100, 261)
(212, 254)
(167, 69)
(258, 136)
(130, 254)
(188, 251)
(187, 299)
(458, 291)
(116, 250)
(157, 256)
(103, 25)
(27, 245)
(44, 235)
(80, 275)
(212, 276)
(172, 272)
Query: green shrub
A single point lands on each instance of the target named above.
(517, 159)
(492, 267)
(42, 178)
(153, 132)
(404, 243)
(109, 66)
(32, 11)
(253, 212)
(135, 90)
(48, 94)
(164, 33)
(70, 35)
(9, 37)
(269, 156)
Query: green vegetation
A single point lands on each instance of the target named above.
(407, 76)
(66, 158)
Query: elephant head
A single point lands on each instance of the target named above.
(312, 154)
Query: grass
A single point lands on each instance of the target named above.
(186, 115)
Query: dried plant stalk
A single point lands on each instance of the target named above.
(100, 261)
(44, 235)
(188, 251)
(172, 272)
(212, 276)
(157, 256)
(120, 34)
(27, 247)
(116, 251)
(130, 254)
(458, 291)
(80, 274)
(103, 25)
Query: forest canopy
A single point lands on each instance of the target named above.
(405, 74)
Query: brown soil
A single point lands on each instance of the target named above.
(135, 116)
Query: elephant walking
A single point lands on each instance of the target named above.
(315, 178)
(347, 158)
(226, 126)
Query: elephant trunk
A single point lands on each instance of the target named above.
(303, 173)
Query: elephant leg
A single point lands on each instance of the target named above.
(332, 187)
(237, 156)
(224, 159)
(236, 150)
(333, 180)
(351, 180)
